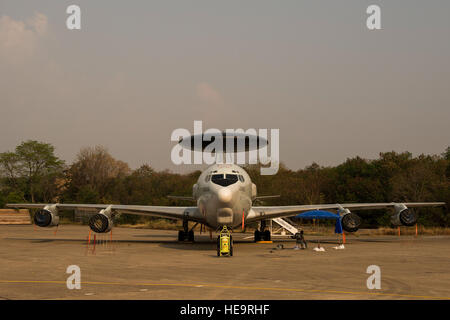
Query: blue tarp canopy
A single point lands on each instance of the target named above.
(322, 214)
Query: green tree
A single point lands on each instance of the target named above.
(446, 154)
(95, 172)
(33, 169)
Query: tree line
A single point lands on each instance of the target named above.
(33, 173)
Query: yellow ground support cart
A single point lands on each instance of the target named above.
(224, 243)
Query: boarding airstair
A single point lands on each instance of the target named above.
(285, 226)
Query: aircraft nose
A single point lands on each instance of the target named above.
(224, 195)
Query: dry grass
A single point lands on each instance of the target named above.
(161, 224)
(421, 230)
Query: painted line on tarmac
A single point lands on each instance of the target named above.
(227, 287)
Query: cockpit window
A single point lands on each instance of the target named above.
(229, 179)
(241, 178)
(207, 178)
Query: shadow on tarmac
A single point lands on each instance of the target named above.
(201, 242)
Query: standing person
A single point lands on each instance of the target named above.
(300, 240)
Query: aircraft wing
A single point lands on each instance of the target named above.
(191, 213)
(181, 198)
(262, 213)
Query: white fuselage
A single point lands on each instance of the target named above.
(224, 195)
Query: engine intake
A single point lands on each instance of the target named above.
(46, 217)
(404, 216)
(100, 223)
(351, 222)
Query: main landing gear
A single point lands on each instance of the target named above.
(262, 234)
(186, 234)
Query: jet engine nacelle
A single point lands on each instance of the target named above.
(47, 217)
(403, 216)
(102, 222)
(350, 221)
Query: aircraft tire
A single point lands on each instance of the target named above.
(180, 235)
(257, 236)
(267, 235)
(191, 235)
(231, 246)
(218, 246)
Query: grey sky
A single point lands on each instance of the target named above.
(138, 70)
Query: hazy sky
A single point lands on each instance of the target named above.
(137, 70)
